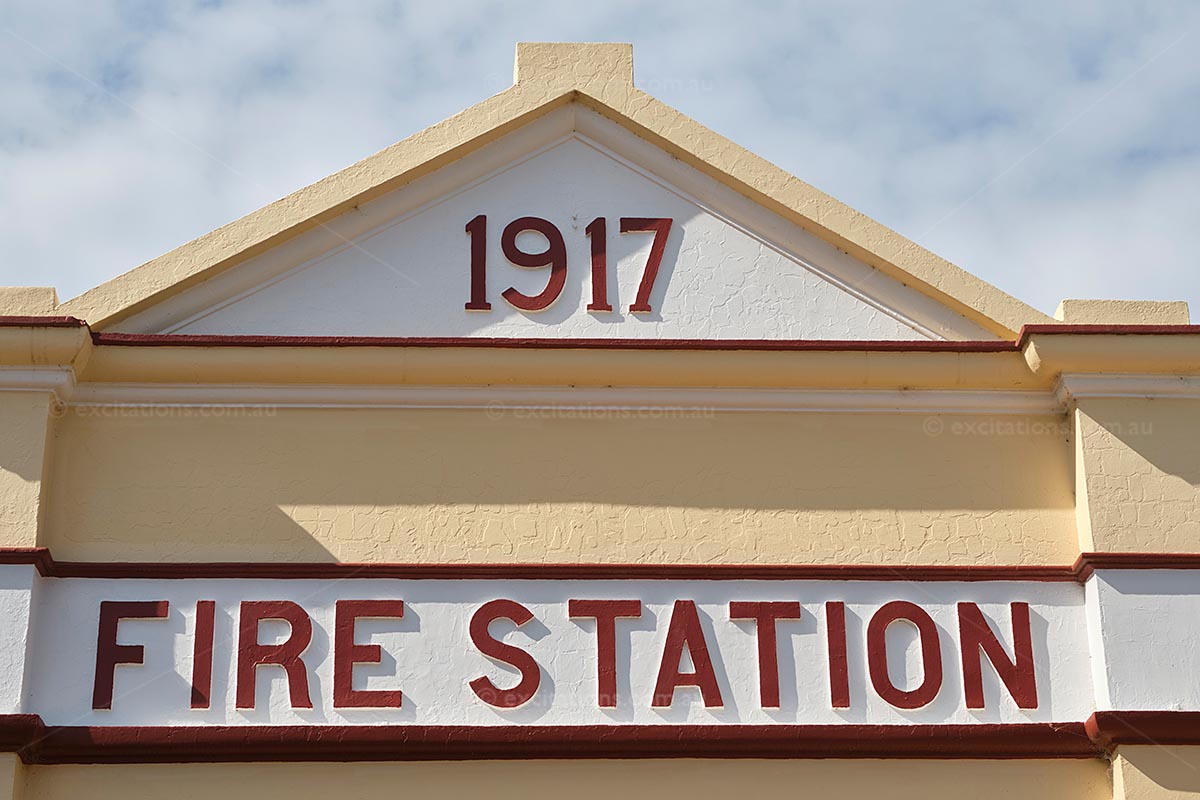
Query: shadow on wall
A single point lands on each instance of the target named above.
(1142, 464)
(1163, 432)
(1148, 770)
(558, 484)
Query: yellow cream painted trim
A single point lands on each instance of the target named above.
(1052, 355)
(550, 75)
(612, 398)
(32, 346)
(1141, 365)
(534, 367)
(1084, 779)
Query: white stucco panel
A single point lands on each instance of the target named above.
(429, 654)
(17, 586)
(1145, 632)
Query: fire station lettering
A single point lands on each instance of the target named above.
(686, 639)
(560, 652)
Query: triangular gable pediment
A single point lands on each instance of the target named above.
(402, 265)
(408, 261)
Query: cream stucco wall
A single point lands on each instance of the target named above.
(1156, 772)
(12, 777)
(507, 484)
(1140, 470)
(581, 780)
(27, 419)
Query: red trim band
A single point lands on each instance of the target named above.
(41, 322)
(820, 345)
(790, 345)
(1059, 329)
(1113, 728)
(38, 744)
(1087, 563)
(45, 563)
(1080, 571)
(238, 340)
(1104, 731)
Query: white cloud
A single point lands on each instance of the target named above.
(1050, 149)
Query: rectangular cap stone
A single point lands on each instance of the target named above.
(28, 301)
(574, 64)
(1122, 312)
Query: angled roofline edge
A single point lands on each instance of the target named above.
(549, 76)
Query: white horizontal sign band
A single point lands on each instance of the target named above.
(549, 652)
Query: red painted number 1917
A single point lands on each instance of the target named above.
(555, 257)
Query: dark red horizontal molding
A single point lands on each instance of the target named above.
(49, 567)
(1104, 731)
(1087, 563)
(41, 322)
(194, 340)
(1061, 329)
(1080, 571)
(1110, 729)
(789, 345)
(239, 340)
(40, 744)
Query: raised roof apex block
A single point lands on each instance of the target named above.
(1123, 312)
(574, 64)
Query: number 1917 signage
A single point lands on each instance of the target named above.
(554, 258)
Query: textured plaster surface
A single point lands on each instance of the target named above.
(25, 422)
(680, 779)
(1141, 472)
(531, 486)
(716, 281)
(1156, 772)
(1122, 312)
(28, 300)
(551, 75)
(1140, 612)
(16, 602)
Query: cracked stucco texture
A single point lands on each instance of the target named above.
(1141, 470)
(717, 280)
(454, 486)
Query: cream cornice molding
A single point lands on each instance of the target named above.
(563, 399)
(548, 76)
(1072, 386)
(56, 380)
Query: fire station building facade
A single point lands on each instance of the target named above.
(565, 447)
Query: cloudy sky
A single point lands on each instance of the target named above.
(1051, 148)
